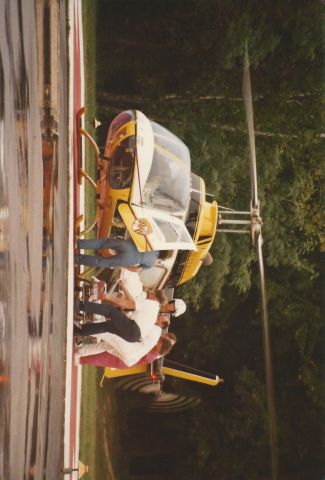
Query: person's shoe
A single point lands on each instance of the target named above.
(76, 359)
(77, 324)
(77, 305)
(75, 246)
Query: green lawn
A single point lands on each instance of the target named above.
(99, 445)
(89, 28)
(88, 427)
(99, 432)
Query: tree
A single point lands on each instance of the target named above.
(181, 63)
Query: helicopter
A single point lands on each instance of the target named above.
(184, 223)
(146, 190)
(221, 219)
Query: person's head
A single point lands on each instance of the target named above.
(175, 307)
(207, 260)
(166, 343)
(158, 295)
(162, 321)
(163, 254)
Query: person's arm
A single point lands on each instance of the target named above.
(127, 294)
(91, 349)
(134, 268)
(118, 301)
(161, 296)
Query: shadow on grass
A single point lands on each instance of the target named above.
(99, 431)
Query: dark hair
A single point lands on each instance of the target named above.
(167, 343)
(161, 296)
(165, 323)
(172, 336)
(207, 260)
(163, 254)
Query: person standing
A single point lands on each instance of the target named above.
(127, 254)
(116, 322)
(142, 312)
(129, 352)
(106, 359)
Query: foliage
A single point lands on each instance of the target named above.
(181, 63)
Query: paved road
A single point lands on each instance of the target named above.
(33, 238)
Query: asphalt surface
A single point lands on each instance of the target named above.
(33, 237)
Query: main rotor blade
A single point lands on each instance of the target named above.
(247, 94)
(268, 364)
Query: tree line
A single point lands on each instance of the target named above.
(181, 63)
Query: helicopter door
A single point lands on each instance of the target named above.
(155, 230)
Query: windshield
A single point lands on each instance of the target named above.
(122, 163)
(120, 149)
(169, 180)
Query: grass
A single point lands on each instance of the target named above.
(89, 28)
(88, 426)
(99, 445)
(99, 432)
(89, 33)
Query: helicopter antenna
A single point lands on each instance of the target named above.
(199, 191)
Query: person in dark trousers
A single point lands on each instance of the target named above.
(116, 322)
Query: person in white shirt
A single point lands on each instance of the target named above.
(129, 353)
(105, 359)
(118, 323)
(144, 312)
(125, 301)
(131, 282)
